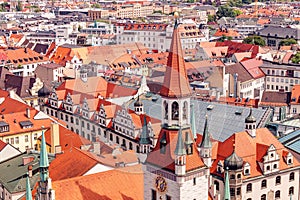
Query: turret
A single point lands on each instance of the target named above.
(226, 186)
(193, 123)
(45, 191)
(145, 141)
(28, 189)
(205, 146)
(138, 106)
(250, 124)
(180, 155)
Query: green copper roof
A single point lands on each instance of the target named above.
(206, 143)
(44, 162)
(193, 123)
(144, 139)
(28, 189)
(227, 188)
(180, 150)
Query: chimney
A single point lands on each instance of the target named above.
(28, 113)
(55, 141)
(29, 171)
(96, 146)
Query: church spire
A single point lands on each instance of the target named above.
(175, 81)
(180, 150)
(193, 123)
(206, 142)
(144, 139)
(226, 187)
(28, 189)
(44, 162)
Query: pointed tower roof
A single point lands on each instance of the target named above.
(226, 188)
(250, 118)
(144, 139)
(138, 102)
(44, 162)
(193, 122)
(180, 150)
(28, 189)
(206, 142)
(175, 83)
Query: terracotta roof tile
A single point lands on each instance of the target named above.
(103, 185)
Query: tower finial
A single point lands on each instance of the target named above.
(176, 16)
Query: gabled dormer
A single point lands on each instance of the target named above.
(247, 169)
(53, 99)
(85, 109)
(271, 160)
(102, 115)
(123, 123)
(288, 158)
(68, 104)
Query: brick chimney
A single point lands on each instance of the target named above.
(28, 113)
(55, 141)
(96, 146)
(29, 171)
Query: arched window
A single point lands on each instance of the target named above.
(185, 110)
(246, 171)
(117, 139)
(264, 183)
(111, 137)
(292, 176)
(249, 187)
(217, 185)
(232, 176)
(99, 131)
(130, 145)
(275, 166)
(166, 109)
(239, 176)
(278, 179)
(291, 190)
(277, 194)
(263, 197)
(175, 111)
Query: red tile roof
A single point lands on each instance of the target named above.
(256, 148)
(72, 163)
(175, 81)
(125, 184)
(2, 145)
(167, 160)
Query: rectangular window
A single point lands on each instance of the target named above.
(168, 197)
(35, 136)
(232, 192)
(12, 141)
(26, 138)
(17, 140)
(194, 181)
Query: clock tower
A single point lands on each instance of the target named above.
(174, 169)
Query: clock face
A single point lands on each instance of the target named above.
(160, 184)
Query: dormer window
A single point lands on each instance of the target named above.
(4, 127)
(246, 169)
(26, 124)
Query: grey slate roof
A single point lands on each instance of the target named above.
(222, 118)
(13, 172)
(279, 32)
(292, 141)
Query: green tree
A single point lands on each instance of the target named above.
(226, 11)
(19, 6)
(296, 58)
(211, 18)
(96, 5)
(287, 42)
(257, 40)
(235, 3)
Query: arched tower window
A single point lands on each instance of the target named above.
(184, 110)
(175, 111)
(166, 109)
